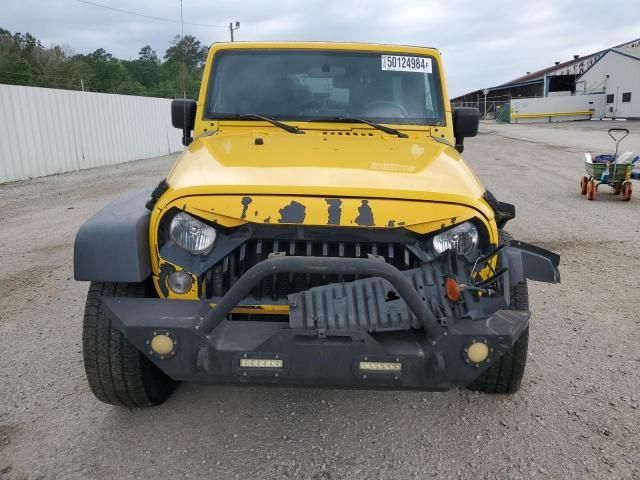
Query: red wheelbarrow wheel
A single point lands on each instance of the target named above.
(626, 191)
(591, 190)
(583, 185)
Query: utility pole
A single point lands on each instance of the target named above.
(82, 83)
(232, 28)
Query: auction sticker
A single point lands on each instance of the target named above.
(401, 63)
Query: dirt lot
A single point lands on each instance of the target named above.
(577, 415)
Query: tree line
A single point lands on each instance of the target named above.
(25, 61)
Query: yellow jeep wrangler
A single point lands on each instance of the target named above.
(320, 228)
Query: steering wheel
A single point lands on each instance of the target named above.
(380, 108)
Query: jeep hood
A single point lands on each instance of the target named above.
(352, 163)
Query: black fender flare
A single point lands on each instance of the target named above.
(524, 260)
(503, 211)
(113, 245)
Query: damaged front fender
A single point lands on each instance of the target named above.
(534, 263)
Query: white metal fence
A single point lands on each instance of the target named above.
(45, 131)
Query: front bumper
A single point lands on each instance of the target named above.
(429, 353)
(309, 357)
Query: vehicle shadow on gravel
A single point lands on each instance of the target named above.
(217, 413)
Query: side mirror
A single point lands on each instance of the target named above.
(466, 121)
(183, 116)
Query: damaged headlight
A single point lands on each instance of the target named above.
(191, 234)
(463, 239)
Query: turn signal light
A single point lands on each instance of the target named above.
(453, 290)
(180, 282)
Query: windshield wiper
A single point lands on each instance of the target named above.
(272, 121)
(389, 130)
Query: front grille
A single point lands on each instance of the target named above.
(226, 272)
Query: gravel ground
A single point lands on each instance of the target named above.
(576, 416)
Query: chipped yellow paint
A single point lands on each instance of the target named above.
(233, 210)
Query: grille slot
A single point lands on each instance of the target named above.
(226, 272)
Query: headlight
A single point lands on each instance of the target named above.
(463, 239)
(191, 234)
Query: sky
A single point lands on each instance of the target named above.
(484, 42)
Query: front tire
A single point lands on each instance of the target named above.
(505, 375)
(117, 372)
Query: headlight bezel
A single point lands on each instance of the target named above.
(185, 239)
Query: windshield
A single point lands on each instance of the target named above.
(312, 85)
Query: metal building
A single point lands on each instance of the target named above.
(616, 74)
(558, 79)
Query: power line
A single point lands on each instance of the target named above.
(149, 16)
